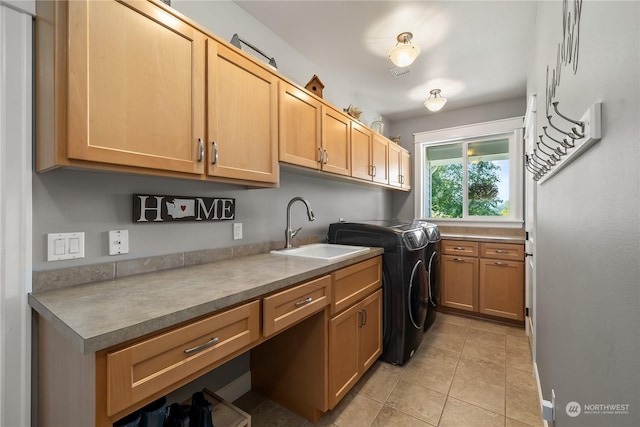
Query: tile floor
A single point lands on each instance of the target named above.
(466, 373)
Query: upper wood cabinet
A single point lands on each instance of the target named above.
(369, 155)
(336, 141)
(399, 167)
(380, 159)
(313, 134)
(118, 83)
(300, 127)
(242, 117)
(360, 152)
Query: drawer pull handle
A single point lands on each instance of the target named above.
(458, 259)
(304, 302)
(501, 264)
(201, 347)
(501, 251)
(458, 248)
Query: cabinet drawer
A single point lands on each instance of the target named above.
(502, 251)
(142, 369)
(459, 247)
(288, 307)
(353, 283)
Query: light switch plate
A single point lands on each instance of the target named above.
(61, 246)
(118, 242)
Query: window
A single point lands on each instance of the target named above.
(471, 174)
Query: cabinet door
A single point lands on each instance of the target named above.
(460, 282)
(370, 331)
(502, 288)
(395, 165)
(344, 360)
(300, 120)
(336, 142)
(135, 87)
(405, 169)
(361, 166)
(380, 159)
(242, 117)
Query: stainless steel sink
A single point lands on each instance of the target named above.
(324, 251)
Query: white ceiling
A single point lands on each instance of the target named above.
(475, 51)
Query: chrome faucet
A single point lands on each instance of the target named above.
(289, 233)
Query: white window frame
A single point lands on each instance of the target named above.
(511, 128)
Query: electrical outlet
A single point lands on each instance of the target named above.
(237, 230)
(118, 242)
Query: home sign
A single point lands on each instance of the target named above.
(152, 208)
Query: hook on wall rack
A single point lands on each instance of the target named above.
(560, 151)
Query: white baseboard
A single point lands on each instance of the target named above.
(535, 372)
(236, 388)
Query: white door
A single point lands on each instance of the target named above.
(530, 224)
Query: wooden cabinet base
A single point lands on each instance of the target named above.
(295, 357)
(476, 315)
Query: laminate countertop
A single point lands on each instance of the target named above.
(99, 315)
(484, 238)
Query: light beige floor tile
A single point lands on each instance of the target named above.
(523, 406)
(518, 343)
(434, 373)
(519, 359)
(378, 382)
(480, 393)
(449, 328)
(446, 341)
(417, 401)
(452, 318)
(521, 380)
(484, 350)
(516, 331)
(486, 337)
(428, 351)
(353, 411)
(270, 414)
(482, 369)
(486, 325)
(515, 423)
(391, 417)
(461, 414)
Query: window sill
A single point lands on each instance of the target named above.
(476, 223)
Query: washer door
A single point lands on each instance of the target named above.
(418, 295)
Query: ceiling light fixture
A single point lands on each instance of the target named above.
(435, 102)
(404, 53)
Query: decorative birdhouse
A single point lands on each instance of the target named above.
(315, 86)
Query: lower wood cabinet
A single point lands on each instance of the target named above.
(307, 350)
(486, 278)
(355, 342)
(501, 288)
(460, 282)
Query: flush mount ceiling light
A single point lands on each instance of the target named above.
(435, 102)
(404, 53)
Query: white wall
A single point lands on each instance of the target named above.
(588, 220)
(403, 203)
(15, 213)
